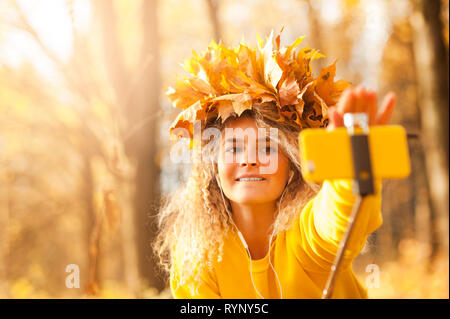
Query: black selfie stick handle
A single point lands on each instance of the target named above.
(327, 292)
(363, 185)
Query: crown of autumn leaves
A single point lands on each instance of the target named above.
(225, 80)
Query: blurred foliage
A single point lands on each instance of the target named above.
(23, 288)
(411, 276)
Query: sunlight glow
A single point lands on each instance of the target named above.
(54, 22)
(331, 11)
(368, 50)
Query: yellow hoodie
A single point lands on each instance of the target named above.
(302, 256)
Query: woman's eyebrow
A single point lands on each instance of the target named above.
(261, 140)
(231, 140)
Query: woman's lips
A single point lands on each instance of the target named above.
(250, 179)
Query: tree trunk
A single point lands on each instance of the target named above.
(144, 148)
(432, 74)
(315, 36)
(119, 78)
(128, 238)
(113, 56)
(93, 229)
(5, 209)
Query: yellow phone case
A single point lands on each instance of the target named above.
(327, 154)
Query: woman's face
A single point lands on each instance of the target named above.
(252, 169)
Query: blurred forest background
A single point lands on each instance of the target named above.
(84, 131)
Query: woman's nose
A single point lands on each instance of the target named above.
(249, 158)
(248, 163)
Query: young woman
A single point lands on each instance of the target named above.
(239, 228)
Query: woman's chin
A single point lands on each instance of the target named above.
(252, 199)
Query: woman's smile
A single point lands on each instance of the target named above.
(250, 178)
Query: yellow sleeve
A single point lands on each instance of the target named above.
(205, 289)
(318, 230)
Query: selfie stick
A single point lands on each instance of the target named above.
(362, 185)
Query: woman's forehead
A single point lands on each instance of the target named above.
(244, 121)
(244, 128)
(245, 133)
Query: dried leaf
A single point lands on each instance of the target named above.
(186, 118)
(272, 71)
(184, 95)
(202, 86)
(319, 101)
(326, 88)
(225, 108)
(289, 91)
(191, 65)
(239, 103)
(247, 63)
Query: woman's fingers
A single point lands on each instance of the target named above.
(331, 123)
(360, 100)
(346, 102)
(335, 119)
(360, 104)
(372, 106)
(386, 109)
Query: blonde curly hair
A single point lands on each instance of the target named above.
(193, 221)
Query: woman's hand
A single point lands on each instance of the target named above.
(360, 100)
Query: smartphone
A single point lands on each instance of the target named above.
(326, 154)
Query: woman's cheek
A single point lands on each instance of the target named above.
(226, 174)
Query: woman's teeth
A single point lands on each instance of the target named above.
(250, 179)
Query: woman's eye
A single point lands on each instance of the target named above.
(233, 149)
(270, 150)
